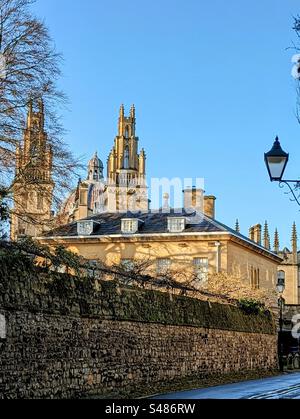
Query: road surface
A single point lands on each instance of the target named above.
(282, 387)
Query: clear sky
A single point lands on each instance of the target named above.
(212, 84)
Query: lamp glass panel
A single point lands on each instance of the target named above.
(276, 166)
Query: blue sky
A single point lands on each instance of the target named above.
(211, 81)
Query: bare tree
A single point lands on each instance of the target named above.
(224, 288)
(229, 286)
(29, 70)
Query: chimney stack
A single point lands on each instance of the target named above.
(210, 206)
(258, 234)
(193, 199)
(255, 234)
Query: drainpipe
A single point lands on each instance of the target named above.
(218, 257)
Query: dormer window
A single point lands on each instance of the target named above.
(130, 225)
(176, 224)
(85, 228)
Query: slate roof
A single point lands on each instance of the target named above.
(109, 224)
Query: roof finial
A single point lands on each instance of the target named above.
(166, 203)
(122, 111)
(237, 226)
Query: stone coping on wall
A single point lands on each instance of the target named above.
(59, 294)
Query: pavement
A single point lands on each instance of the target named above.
(285, 386)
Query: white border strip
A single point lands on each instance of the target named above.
(166, 235)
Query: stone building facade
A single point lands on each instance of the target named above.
(186, 242)
(290, 257)
(110, 219)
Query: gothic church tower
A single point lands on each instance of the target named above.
(126, 168)
(33, 187)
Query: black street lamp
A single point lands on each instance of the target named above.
(276, 161)
(280, 289)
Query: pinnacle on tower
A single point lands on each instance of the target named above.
(41, 105)
(41, 111)
(122, 111)
(276, 242)
(132, 112)
(294, 233)
(294, 242)
(237, 226)
(29, 112)
(267, 243)
(30, 106)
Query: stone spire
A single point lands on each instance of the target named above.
(276, 242)
(237, 226)
(267, 243)
(30, 106)
(294, 243)
(29, 113)
(132, 112)
(122, 111)
(41, 105)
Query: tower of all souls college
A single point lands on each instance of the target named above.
(123, 189)
(125, 185)
(33, 186)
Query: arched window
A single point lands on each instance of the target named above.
(40, 201)
(126, 158)
(255, 278)
(252, 277)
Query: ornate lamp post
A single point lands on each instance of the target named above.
(276, 161)
(280, 289)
